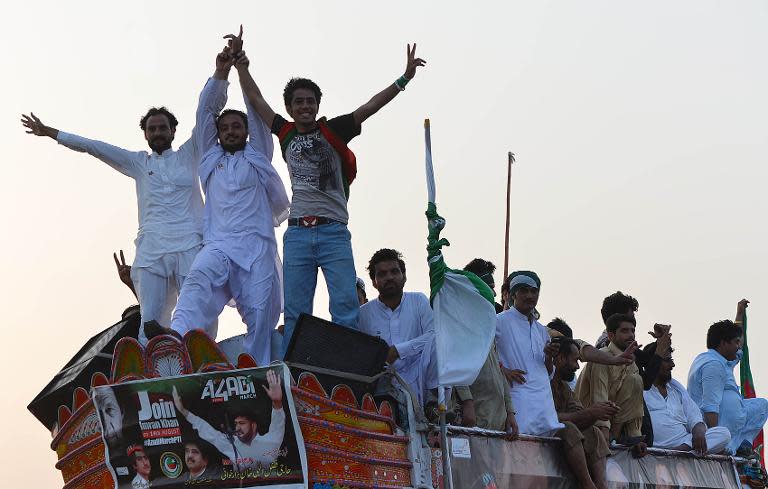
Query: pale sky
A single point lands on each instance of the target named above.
(639, 129)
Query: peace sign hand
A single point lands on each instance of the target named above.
(123, 269)
(412, 62)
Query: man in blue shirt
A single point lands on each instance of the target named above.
(713, 387)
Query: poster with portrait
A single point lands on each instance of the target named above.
(220, 430)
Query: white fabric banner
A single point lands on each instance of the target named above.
(465, 326)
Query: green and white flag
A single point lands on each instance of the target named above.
(464, 313)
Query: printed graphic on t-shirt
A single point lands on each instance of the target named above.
(313, 162)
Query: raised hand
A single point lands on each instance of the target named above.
(123, 269)
(664, 345)
(412, 62)
(177, 402)
(741, 308)
(235, 42)
(224, 60)
(551, 349)
(35, 126)
(659, 330)
(242, 61)
(274, 391)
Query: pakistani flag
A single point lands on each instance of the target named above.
(748, 386)
(464, 313)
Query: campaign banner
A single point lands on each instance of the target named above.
(229, 429)
(479, 462)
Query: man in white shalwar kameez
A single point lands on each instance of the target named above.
(247, 448)
(676, 418)
(167, 191)
(403, 319)
(523, 344)
(245, 201)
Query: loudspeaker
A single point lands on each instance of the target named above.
(320, 343)
(94, 356)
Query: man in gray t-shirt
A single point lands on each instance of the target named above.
(321, 167)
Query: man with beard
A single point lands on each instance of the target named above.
(580, 432)
(197, 457)
(523, 344)
(621, 385)
(168, 194)
(245, 200)
(247, 449)
(677, 420)
(402, 319)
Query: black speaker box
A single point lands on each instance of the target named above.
(320, 343)
(94, 356)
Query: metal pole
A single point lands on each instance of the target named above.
(447, 474)
(510, 160)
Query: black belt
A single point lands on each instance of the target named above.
(309, 221)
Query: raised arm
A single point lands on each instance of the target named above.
(259, 133)
(385, 96)
(120, 159)
(741, 311)
(205, 430)
(213, 98)
(250, 90)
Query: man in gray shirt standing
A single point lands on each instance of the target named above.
(321, 167)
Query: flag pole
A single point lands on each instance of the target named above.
(447, 474)
(441, 402)
(510, 160)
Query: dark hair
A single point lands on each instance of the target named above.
(565, 345)
(724, 330)
(202, 445)
(240, 113)
(385, 254)
(243, 413)
(561, 327)
(482, 268)
(296, 83)
(158, 111)
(618, 303)
(615, 321)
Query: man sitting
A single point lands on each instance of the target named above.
(580, 432)
(402, 319)
(619, 384)
(713, 387)
(677, 420)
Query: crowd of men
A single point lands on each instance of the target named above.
(221, 250)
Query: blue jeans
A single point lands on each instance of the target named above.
(329, 247)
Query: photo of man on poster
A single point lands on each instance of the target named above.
(141, 466)
(112, 416)
(244, 446)
(199, 461)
